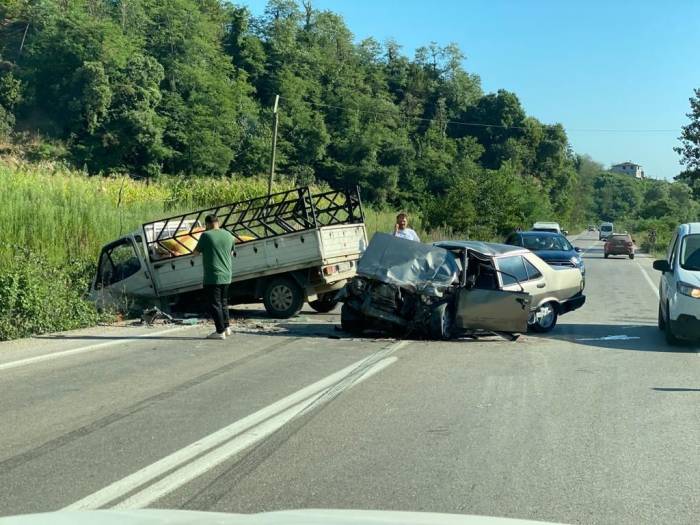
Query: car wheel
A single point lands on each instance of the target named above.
(544, 319)
(671, 338)
(351, 320)
(441, 322)
(661, 320)
(631, 256)
(325, 303)
(283, 298)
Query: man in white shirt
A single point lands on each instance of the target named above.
(402, 230)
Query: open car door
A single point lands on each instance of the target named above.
(492, 310)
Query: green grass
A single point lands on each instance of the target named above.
(63, 214)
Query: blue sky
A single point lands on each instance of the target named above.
(591, 65)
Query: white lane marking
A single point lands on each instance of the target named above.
(201, 465)
(654, 287)
(610, 338)
(122, 487)
(73, 351)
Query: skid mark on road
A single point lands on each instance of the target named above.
(201, 456)
(49, 446)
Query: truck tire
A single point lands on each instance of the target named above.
(325, 303)
(441, 324)
(351, 320)
(283, 298)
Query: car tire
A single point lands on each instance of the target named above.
(325, 303)
(545, 323)
(441, 322)
(283, 298)
(351, 320)
(631, 256)
(671, 338)
(661, 321)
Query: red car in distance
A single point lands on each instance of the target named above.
(619, 244)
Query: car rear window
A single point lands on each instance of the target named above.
(620, 238)
(546, 242)
(606, 228)
(690, 253)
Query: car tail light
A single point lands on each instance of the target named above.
(330, 270)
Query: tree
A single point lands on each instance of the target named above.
(689, 150)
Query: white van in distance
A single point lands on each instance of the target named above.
(605, 230)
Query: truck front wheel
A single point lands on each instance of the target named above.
(283, 298)
(325, 303)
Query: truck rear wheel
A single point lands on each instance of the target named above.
(325, 303)
(283, 298)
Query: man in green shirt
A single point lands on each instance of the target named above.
(216, 245)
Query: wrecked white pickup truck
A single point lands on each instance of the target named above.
(290, 247)
(456, 287)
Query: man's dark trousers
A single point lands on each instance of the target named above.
(217, 296)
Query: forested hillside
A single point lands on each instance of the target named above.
(186, 87)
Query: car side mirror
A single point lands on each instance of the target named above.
(662, 265)
(577, 249)
(565, 232)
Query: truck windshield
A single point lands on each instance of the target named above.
(117, 262)
(690, 253)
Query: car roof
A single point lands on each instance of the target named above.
(531, 233)
(487, 248)
(691, 228)
(545, 223)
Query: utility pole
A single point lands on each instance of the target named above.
(275, 123)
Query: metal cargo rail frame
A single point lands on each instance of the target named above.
(258, 218)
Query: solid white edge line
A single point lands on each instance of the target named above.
(654, 287)
(210, 460)
(74, 351)
(125, 485)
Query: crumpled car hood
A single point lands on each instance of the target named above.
(415, 266)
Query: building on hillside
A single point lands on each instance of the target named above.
(628, 168)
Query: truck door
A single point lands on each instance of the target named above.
(120, 273)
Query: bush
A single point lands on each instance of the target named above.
(37, 296)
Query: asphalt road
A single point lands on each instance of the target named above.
(597, 422)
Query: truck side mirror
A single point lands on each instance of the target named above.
(662, 265)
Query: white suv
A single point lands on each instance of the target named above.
(679, 289)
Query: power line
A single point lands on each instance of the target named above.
(482, 125)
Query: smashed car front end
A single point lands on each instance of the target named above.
(399, 283)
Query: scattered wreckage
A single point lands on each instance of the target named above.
(454, 288)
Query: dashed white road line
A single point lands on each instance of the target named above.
(225, 443)
(89, 348)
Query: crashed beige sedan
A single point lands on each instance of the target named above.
(456, 288)
(555, 290)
